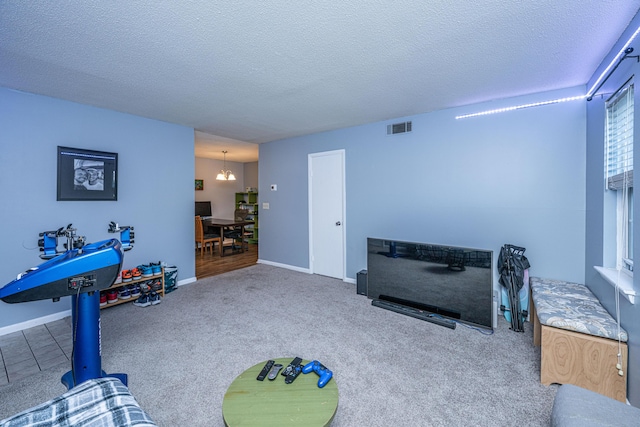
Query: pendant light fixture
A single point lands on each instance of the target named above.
(225, 175)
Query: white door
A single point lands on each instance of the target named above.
(326, 214)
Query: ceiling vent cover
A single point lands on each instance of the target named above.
(396, 128)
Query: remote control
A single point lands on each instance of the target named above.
(274, 371)
(265, 370)
(293, 370)
(289, 368)
(293, 374)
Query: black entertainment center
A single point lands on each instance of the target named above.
(437, 283)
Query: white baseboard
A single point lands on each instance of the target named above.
(300, 269)
(34, 322)
(186, 281)
(288, 267)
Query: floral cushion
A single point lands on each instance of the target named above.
(574, 307)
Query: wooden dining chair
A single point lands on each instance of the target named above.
(203, 240)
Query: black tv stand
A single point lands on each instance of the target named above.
(413, 312)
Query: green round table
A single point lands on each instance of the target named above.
(249, 402)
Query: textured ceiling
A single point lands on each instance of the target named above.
(261, 71)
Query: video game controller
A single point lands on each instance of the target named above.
(322, 371)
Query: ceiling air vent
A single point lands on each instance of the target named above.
(398, 128)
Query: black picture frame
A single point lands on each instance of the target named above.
(87, 175)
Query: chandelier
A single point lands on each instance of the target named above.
(224, 174)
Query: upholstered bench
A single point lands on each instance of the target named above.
(578, 338)
(577, 407)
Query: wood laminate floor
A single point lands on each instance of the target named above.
(212, 264)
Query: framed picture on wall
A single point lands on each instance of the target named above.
(87, 174)
(199, 184)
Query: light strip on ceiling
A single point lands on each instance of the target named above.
(620, 54)
(520, 107)
(589, 94)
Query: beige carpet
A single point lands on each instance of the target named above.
(391, 370)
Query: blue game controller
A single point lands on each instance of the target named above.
(317, 367)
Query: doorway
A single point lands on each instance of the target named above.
(327, 228)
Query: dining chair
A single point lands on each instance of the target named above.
(242, 233)
(204, 240)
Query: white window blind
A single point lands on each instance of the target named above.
(619, 153)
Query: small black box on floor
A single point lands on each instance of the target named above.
(361, 282)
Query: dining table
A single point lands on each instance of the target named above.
(218, 226)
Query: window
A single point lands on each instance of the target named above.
(619, 171)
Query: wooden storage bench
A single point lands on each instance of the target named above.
(578, 338)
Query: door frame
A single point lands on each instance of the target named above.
(310, 157)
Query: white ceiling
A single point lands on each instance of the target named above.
(261, 71)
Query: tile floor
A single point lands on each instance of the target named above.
(33, 350)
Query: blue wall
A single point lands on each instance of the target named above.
(516, 177)
(155, 190)
(596, 220)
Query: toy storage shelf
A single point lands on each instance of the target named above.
(133, 282)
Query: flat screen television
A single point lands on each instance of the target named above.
(203, 208)
(443, 284)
